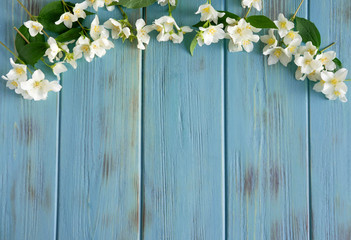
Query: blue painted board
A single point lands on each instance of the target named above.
(28, 148)
(266, 142)
(331, 132)
(183, 164)
(99, 168)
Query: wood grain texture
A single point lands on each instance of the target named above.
(331, 132)
(182, 136)
(266, 143)
(27, 148)
(99, 166)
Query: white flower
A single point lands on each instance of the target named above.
(326, 59)
(58, 69)
(24, 93)
(270, 40)
(53, 50)
(284, 25)
(67, 18)
(142, 33)
(308, 48)
(115, 26)
(293, 47)
(108, 2)
(19, 72)
(334, 86)
(241, 35)
(96, 4)
(254, 3)
(38, 87)
(291, 36)
(211, 34)
(277, 54)
(34, 28)
(179, 37)
(79, 8)
(208, 13)
(165, 2)
(165, 26)
(308, 64)
(83, 48)
(313, 76)
(96, 30)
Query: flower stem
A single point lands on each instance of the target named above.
(347, 80)
(125, 16)
(65, 6)
(248, 11)
(329, 46)
(33, 18)
(169, 10)
(8, 49)
(297, 10)
(24, 38)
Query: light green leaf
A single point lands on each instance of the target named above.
(134, 3)
(260, 21)
(193, 45)
(308, 31)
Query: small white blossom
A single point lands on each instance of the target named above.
(108, 3)
(333, 84)
(115, 26)
(142, 33)
(326, 58)
(284, 25)
(291, 36)
(79, 8)
(59, 68)
(308, 48)
(165, 26)
(96, 30)
(96, 4)
(277, 54)
(38, 87)
(165, 2)
(208, 13)
(53, 50)
(308, 64)
(211, 34)
(19, 72)
(252, 3)
(270, 40)
(83, 48)
(34, 28)
(179, 36)
(67, 18)
(293, 47)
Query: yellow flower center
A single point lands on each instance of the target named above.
(291, 35)
(206, 10)
(212, 31)
(19, 71)
(337, 93)
(311, 51)
(308, 62)
(85, 48)
(96, 29)
(271, 41)
(278, 53)
(66, 17)
(283, 24)
(324, 60)
(292, 49)
(334, 81)
(36, 84)
(14, 83)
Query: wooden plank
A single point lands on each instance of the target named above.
(331, 132)
(28, 135)
(182, 131)
(100, 148)
(266, 122)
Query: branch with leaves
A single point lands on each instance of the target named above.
(59, 37)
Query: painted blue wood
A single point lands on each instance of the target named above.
(99, 178)
(28, 141)
(331, 132)
(183, 194)
(266, 143)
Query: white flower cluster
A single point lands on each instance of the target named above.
(315, 65)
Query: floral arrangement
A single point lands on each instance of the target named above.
(58, 37)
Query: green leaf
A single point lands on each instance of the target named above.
(72, 34)
(71, 6)
(33, 52)
(338, 63)
(20, 42)
(222, 20)
(50, 14)
(308, 31)
(260, 21)
(134, 3)
(193, 45)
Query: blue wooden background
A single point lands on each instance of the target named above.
(162, 145)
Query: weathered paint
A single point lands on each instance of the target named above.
(162, 145)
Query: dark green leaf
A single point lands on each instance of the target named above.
(71, 6)
(199, 24)
(338, 63)
(72, 34)
(134, 3)
(260, 21)
(222, 20)
(33, 52)
(50, 14)
(193, 45)
(20, 42)
(308, 31)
